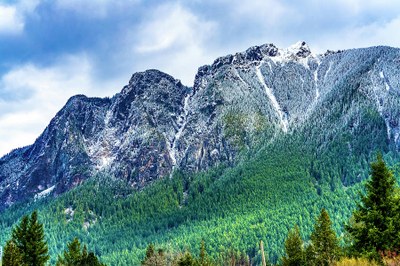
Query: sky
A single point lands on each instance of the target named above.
(51, 50)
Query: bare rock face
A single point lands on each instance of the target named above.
(156, 125)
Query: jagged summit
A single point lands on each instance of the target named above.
(299, 51)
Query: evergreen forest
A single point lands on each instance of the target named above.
(230, 208)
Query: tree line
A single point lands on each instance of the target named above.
(372, 234)
(28, 247)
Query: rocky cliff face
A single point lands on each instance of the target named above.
(156, 125)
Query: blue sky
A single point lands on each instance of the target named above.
(53, 49)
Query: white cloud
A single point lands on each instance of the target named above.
(376, 33)
(12, 17)
(171, 25)
(358, 6)
(266, 12)
(10, 21)
(22, 120)
(174, 40)
(90, 8)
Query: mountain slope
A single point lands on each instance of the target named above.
(241, 101)
(262, 141)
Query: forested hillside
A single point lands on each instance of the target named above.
(262, 142)
(232, 208)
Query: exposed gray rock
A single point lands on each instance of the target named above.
(155, 124)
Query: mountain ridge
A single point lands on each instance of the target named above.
(156, 125)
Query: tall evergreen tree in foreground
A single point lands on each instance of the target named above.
(12, 255)
(375, 225)
(293, 249)
(325, 244)
(76, 256)
(27, 243)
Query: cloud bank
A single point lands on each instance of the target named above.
(51, 50)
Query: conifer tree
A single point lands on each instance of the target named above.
(37, 250)
(204, 260)
(154, 258)
(75, 256)
(324, 241)
(19, 236)
(72, 256)
(375, 225)
(186, 260)
(12, 255)
(28, 237)
(293, 249)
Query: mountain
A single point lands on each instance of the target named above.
(262, 141)
(156, 124)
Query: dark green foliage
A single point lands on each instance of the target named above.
(75, 256)
(37, 252)
(20, 237)
(375, 224)
(294, 251)
(154, 258)
(232, 208)
(28, 237)
(12, 255)
(234, 128)
(324, 243)
(187, 260)
(72, 255)
(204, 259)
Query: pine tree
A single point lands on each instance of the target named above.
(154, 258)
(294, 249)
(324, 241)
(187, 260)
(28, 237)
(37, 250)
(72, 256)
(375, 224)
(204, 260)
(20, 235)
(75, 256)
(12, 255)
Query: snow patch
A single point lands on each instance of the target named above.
(317, 94)
(101, 150)
(290, 54)
(272, 98)
(182, 121)
(238, 75)
(44, 193)
(382, 75)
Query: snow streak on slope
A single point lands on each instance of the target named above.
(272, 98)
(100, 151)
(44, 193)
(316, 79)
(316, 85)
(382, 75)
(182, 121)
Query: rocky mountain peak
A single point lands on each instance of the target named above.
(156, 125)
(300, 49)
